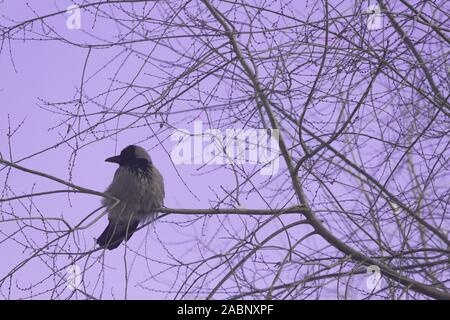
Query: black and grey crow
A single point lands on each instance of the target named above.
(140, 188)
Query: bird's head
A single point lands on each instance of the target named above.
(132, 156)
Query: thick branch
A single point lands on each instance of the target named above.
(260, 212)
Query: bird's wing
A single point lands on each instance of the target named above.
(117, 231)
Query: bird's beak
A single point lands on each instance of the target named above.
(115, 159)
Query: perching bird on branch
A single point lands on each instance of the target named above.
(140, 188)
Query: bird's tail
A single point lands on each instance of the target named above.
(116, 232)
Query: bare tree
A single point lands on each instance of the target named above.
(356, 94)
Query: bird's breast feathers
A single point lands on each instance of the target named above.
(138, 189)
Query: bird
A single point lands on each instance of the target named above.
(140, 188)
